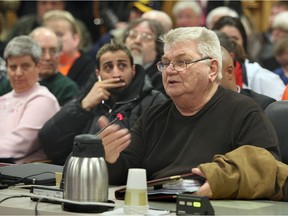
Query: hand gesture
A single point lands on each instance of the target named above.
(100, 92)
(114, 139)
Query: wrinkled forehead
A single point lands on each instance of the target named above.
(114, 56)
(180, 47)
(143, 27)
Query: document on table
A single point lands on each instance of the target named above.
(176, 187)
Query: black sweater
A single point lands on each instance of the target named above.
(58, 133)
(165, 143)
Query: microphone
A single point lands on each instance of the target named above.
(119, 117)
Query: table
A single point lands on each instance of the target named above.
(24, 206)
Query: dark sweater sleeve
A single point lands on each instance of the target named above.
(132, 157)
(58, 133)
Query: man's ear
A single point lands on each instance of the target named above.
(213, 70)
(133, 70)
(97, 72)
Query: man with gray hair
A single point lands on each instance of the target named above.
(187, 14)
(25, 109)
(184, 132)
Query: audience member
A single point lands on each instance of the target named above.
(187, 13)
(141, 36)
(73, 63)
(27, 23)
(63, 88)
(235, 5)
(281, 55)
(24, 110)
(160, 16)
(260, 43)
(232, 57)
(281, 51)
(123, 89)
(254, 76)
(228, 81)
(137, 9)
(217, 13)
(115, 15)
(173, 137)
(280, 29)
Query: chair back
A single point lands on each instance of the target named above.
(277, 112)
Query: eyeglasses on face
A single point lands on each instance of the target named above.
(179, 65)
(144, 36)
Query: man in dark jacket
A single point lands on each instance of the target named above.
(121, 88)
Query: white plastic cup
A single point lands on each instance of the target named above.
(136, 199)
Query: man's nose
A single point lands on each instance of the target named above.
(116, 72)
(18, 71)
(138, 38)
(46, 54)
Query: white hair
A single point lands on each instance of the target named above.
(161, 16)
(207, 42)
(181, 5)
(281, 21)
(219, 12)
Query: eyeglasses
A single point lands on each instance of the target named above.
(144, 36)
(179, 65)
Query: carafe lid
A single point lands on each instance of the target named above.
(87, 145)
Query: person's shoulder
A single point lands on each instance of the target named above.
(6, 96)
(44, 92)
(85, 57)
(255, 69)
(262, 100)
(85, 62)
(40, 96)
(64, 80)
(160, 107)
(238, 101)
(278, 71)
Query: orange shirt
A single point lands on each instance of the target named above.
(66, 62)
(285, 95)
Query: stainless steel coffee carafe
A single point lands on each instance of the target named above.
(85, 172)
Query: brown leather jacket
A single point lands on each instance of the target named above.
(248, 172)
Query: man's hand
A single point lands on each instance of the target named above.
(99, 92)
(114, 139)
(205, 189)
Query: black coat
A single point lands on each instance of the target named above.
(58, 133)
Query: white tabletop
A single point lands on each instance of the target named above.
(25, 206)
